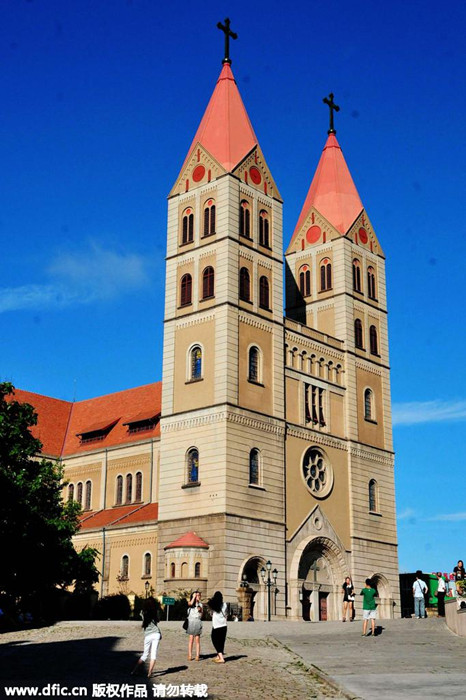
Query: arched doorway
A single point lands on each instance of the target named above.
(251, 573)
(385, 609)
(317, 573)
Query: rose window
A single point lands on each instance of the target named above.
(317, 473)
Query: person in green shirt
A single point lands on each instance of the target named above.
(368, 607)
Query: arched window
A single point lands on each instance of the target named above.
(184, 569)
(124, 571)
(264, 293)
(79, 493)
(357, 275)
(358, 333)
(197, 569)
(325, 275)
(209, 218)
(192, 464)
(188, 226)
(254, 465)
(245, 219)
(373, 340)
(208, 277)
(371, 291)
(244, 284)
(172, 570)
(369, 404)
(71, 492)
(186, 290)
(119, 491)
(88, 497)
(138, 495)
(129, 488)
(195, 362)
(264, 228)
(254, 364)
(373, 496)
(305, 281)
(147, 564)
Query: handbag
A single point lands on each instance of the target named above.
(185, 624)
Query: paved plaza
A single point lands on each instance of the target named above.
(407, 659)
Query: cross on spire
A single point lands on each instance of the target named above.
(333, 108)
(225, 28)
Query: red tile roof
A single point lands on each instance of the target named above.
(225, 130)
(190, 539)
(332, 191)
(121, 515)
(61, 422)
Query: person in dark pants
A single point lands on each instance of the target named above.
(441, 591)
(219, 625)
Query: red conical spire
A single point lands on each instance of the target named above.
(332, 191)
(225, 130)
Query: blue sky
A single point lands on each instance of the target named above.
(100, 102)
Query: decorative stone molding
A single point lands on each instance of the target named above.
(193, 422)
(246, 256)
(194, 321)
(360, 452)
(207, 254)
(251, 321)
(291, 338)
(317, 438)
(369, 367)
(256, 423)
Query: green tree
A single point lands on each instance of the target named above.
(36, 526)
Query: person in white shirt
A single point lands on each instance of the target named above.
(419, 591)
(441, 592)
(219, 625)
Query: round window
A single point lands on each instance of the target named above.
(317, 472)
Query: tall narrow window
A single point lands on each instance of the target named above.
(197, 569)
(188, 227)
(209, 218)
(244, 284)
(357, 275)
(138, 494)
(129, 488)
(358, 334)
(325, 275)
(373, 340)
(186, 290)
(264, 293)
(305, 281)
(264, 229)
(88, 497)
(172, 570)
(79, 493)
(321, 408)
(196, 363)
(373, 505)
(208, 277)
(192, 463)
(124, 571)
(254, 467)
(245, 219)
(119, 491)
(71, 492)
(369, 404)
(371, 291)
(147, 564)
(254, 365)
(184, 569)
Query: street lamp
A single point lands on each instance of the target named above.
(268, 582)
(244, 582)
(147, 586)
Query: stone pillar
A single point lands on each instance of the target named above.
(245, 600)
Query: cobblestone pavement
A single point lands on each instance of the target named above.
(83, 654)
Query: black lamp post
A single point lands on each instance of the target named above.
(244, 581)
(147, 586)
(268, 582)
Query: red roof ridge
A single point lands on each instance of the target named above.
(114, 393)
(189, 539)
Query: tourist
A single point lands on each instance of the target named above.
(368, 607)
(419, 591)
(194, 628)
(219, 625)
(152, 635)
(441, 592)
(459, 573)
(348, 599)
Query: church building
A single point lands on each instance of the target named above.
(265, 454)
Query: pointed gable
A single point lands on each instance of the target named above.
(225, 130)
(332, 192)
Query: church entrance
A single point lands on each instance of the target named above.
(320, 573)
(250, 575)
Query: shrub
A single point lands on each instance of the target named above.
(113, 607)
